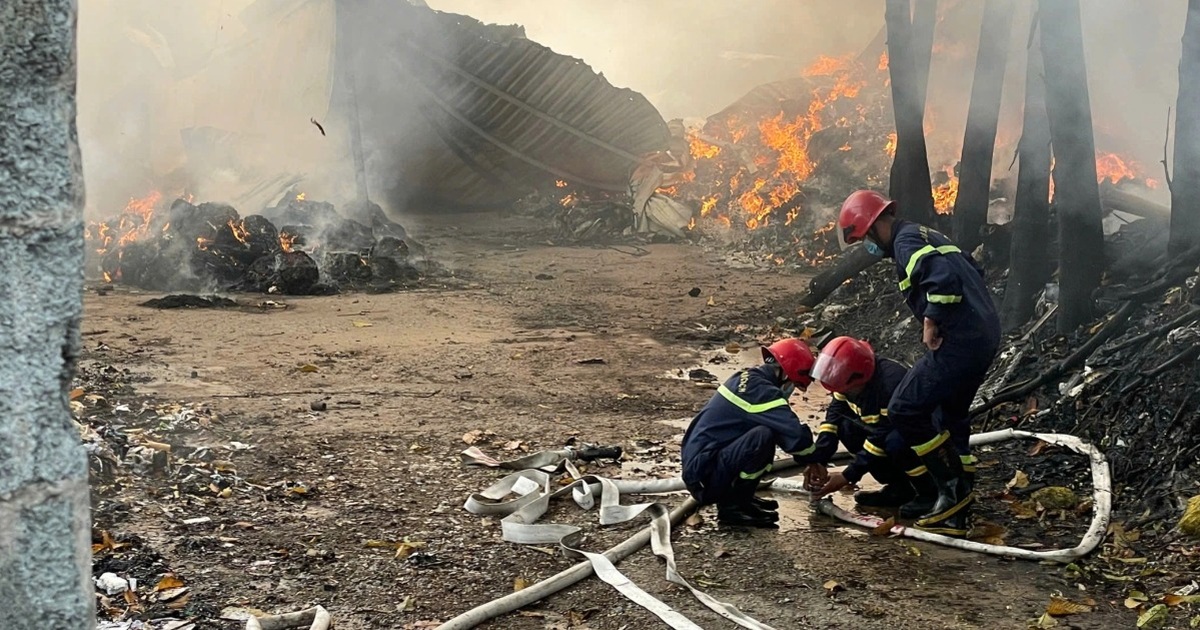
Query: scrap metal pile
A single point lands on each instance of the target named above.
(297, 247)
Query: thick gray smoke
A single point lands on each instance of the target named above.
(216, 97)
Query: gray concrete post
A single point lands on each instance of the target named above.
(45, 552)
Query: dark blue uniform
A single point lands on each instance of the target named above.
(734, 436)
(941, 282)
(862, 424)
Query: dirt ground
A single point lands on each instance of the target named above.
(404, 376)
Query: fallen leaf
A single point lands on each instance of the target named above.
(406, 548)
(1171, 599)
(513, 445)
(987, 530)
(1061, 607)
(180, 602)
(914, 551)
(1155, 617)
(695, 520)
(307, 368)
(77, 393)
(832, 586)
(884, 528)
(1020, 480)
(168, 581)
(1038, 447)
(471, 437)
(406, 604)
(1023, 509)
(1045, 621)
(733, 347)
(362, 324)
(520, 584)
(711, 301)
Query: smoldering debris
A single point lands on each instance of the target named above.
(297, 247)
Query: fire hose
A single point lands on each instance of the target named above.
(535, 493)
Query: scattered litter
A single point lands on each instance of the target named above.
(591, 361)
(183, 300)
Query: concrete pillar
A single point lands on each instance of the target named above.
(45, 552)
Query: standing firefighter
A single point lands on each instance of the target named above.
(731, 442)
(862, 385)
(944, 288)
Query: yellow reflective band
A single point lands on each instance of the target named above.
(924, 449)
(906, 283)
(841, 397)
(747, 406)
(827, 428)
(874, 450)
(883, 412)
(935, 298)
(938, 518)
(870, 419)
(808, 451)
(967, 459)
(755, 475)
(918, 471)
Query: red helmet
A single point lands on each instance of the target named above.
(794, 356)
(844, 363)
(859, 213)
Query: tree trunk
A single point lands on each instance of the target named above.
(910, 185)
(45, 526)
(979, 141)
(1031, 261)
(924, 23)
(1185, 186)
(849, 264)
(1077, 197)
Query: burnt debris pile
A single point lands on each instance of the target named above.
(298, 247)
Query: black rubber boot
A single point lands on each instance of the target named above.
(764, 504)
(927, 494)
(945, 468)
(742, 514)
(892, 495)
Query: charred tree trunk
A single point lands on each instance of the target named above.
(1077, 196)
(849, 264)
(924, 23)
(979, 141)
(910, 185)
(1185, 186)
(1030, 263)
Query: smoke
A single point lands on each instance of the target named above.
(216, 97)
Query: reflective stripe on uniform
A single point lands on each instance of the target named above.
(747, 406)
(924, 449)
(755, 475)
(874, 450)
(808, 451)
(871, 419)
(827, 428)
(906, 282)
(935, 298)
(968, 463)
(917, 472)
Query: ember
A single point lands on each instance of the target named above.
(210, 247)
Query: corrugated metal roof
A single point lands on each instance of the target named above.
(498, 114)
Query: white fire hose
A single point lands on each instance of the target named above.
(535, 491)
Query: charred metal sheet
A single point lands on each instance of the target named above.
(458, 113)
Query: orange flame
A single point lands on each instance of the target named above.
(300, 197)
(701, 149)
(239, 231)
(286, 241)
(560, 183)
(883, 62)
(890, 147)
(945, 194)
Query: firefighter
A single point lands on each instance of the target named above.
(731, 443)
(862, 385)
(944, 288)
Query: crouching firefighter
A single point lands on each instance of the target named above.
(862, 384)
(731, 443)
(944, 288)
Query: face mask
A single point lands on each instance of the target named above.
(873, 249)
(788, 389)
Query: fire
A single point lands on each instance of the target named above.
(567, 201)
(239, 231)
(701, 149)
(826, 66)
(558, 183)
(300, 197)
(883, 62)
(707, 206)
(945, 194)
(286, 241)
(890, 147)
(1117, 169)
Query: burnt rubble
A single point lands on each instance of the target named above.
(298, 247)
